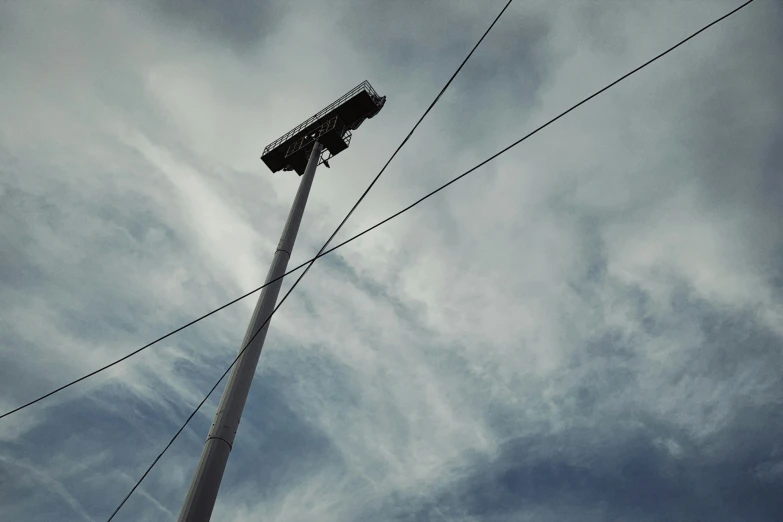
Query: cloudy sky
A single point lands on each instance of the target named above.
(589, 328)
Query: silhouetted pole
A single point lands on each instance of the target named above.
(209, 472)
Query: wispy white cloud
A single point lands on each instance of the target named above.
(35, 478)
(597, 308)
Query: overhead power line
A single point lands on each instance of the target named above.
(320, 252)
(502, 151)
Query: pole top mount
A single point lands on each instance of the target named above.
(332, 127)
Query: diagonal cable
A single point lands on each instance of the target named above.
(320, 251)
(502, 151)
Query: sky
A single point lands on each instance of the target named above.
(589, 328)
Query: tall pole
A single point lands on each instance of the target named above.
(209, 472)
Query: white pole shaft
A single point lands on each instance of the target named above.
(206, 479)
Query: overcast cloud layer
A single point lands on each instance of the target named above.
(589, 328)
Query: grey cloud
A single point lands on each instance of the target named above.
(581, 330)
(241, 24)
(645, 470)
(125, 438)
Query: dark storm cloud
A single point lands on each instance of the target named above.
(633, 462)
(16, 271)
(128, 438)
(241, 24)
(292, 447)
(507, 70)
(727, 127)
(377, 374)
(627, 474)
(411, 313)
(440, 35)
(624, 464)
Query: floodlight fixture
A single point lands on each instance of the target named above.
(332, 127)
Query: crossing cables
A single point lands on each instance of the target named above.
(454, 180)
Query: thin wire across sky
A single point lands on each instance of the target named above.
(312, 261)
(454, 180)
(349, 240)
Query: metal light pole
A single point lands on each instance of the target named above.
(313, 142)
(209, 472)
